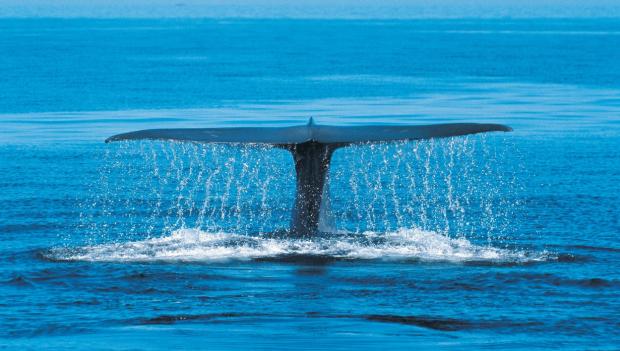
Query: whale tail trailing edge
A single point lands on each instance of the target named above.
(293, 135)
(312, 146)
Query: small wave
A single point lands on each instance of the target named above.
(561, 281)
(171, 319)
(596, 248)
(423, 321)
(193, 245)
(19, 281)
(451, 324)
(443, 324)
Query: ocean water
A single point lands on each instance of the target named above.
(497, 241)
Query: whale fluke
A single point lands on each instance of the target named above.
(311, 132)
(312, 146)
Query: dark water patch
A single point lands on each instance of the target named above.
(311, 271)
(596, 283)
(50, 329)
(172, 319)
(442, 324)
(596, 248)
(572, 258)
(54, 274)
(462, 286)
(525, 260)
(364, 293)
(589, 325)
(451, 324)
(300, 259)
(584, 283)
(497, 263)
(155, 276)
(20, 256)
(558, 281)
(529, 260)
(19, 281)
(482, 282)
(135, 290)
(373, 280)
(30, 227)
(212, 298)
(73, 303)
(159, 276)
(136, 276)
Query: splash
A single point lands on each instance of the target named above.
(451, 194)
(461, 187)
(194, 245)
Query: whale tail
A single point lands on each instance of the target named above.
(312, 147)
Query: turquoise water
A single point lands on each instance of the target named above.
(498, 241)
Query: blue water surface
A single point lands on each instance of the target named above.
(498, 241)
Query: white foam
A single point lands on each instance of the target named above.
(201, 246)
